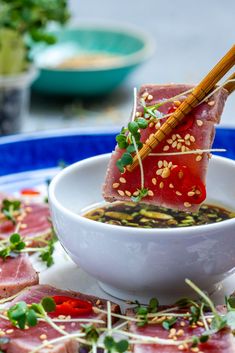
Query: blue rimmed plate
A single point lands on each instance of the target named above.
(30, 160)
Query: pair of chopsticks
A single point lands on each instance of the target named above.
(194, 98)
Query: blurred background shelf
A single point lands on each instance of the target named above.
(189, 38)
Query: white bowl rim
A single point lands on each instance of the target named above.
(126, 60)
(124, 229)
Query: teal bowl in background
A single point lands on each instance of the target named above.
(131, 46)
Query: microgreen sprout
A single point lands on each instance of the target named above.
(47, 253)
(115, 346)
(9, 208)
(143, 311)
(22, 314)
(142, 193)
(92, 333)
(16, 244)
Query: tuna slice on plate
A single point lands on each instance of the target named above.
(16, 273)
(175, 177)
(27, 340)
(34, 220)
(220, 342)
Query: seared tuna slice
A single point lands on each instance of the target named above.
(34, 219)
(171, 180)
(16, 273)
(24, 341)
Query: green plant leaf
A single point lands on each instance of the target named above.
(48, 304)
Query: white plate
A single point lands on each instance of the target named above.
(64, 273)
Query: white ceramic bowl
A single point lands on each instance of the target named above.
(142, 263)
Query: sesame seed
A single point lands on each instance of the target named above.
(151, 124)
(170, 164)
(188, 143)
(171, 186)
(183, 148)
(166, 148)
(150, 193)
(154, 181)
(209, 320)
(61, 317)
(177, 103)
(187, 137)
(173, 137)
(187, 204)
(165, 163)
(173, 331)
(136, 193)
(128, 193)
(178, 136)
(181, 347)
(179, 145)
(174, 144)
(180, 140)
(43, 336)
(150, 97)
(62, 327)
(157, 126)
(195, 349)
(9, 331)
(122, 180)
(121, 193)
(23, 226)
(160, 164)
(169, 141)
(98, 302)
(199, 122)
(211, 103)
(159, 171)
(180, 332)
(192, 138)
(198, 158)
(137, 114)
(145, 94)
(200, 323)
(191, 193)
(166, 172)
(115, 185)
(178, 193)
(182, 323)
(161, 185)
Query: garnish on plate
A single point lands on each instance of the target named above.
(189, 325)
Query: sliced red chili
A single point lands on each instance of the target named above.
(71, 306)
(29, 192)
(185, 124)
(191, 188)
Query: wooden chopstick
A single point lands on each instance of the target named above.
(194, 98)
(230, 86)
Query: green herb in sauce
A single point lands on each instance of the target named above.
(148, 216)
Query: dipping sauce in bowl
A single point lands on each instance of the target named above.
(148, 216)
